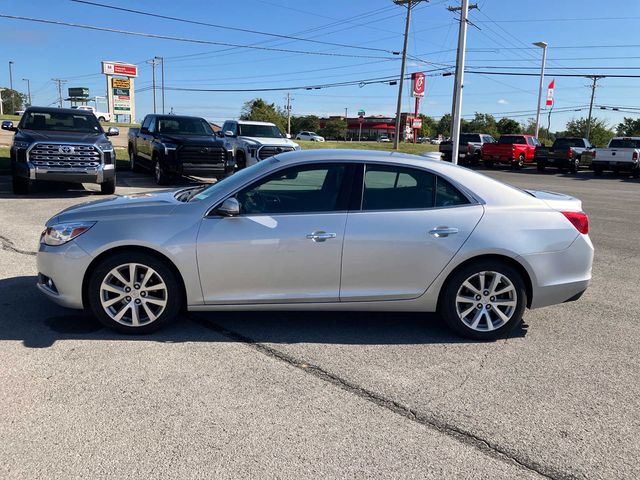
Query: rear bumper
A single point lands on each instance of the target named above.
(610, 164)
(561, 276)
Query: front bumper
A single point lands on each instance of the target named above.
(99, 174)
(561, 276)
(65, 265)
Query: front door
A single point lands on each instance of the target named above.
(410, 225)
(286, 244)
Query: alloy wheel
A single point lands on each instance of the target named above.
(486, 301)
(133, 294)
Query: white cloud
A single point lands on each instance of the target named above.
(503, 101)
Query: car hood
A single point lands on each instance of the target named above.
(558, 201)
(157, 203)
(59, 137)
(284, 142)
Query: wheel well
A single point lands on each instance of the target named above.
(148, 251)
(500, 258)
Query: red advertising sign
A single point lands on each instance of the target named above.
(126, 69)
(418, 83)
(550, 92)
(417, 123)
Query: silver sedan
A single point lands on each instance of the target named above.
(323, 230)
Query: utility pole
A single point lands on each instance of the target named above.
(288, 107)
(59, 82)
(409, 4)
(161, 79)
(456, 113)
(28, 89)
(543, 46)
(594, 79)
(13, 106)
(153, 64)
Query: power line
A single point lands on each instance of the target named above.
(181, 39)
(226, 27)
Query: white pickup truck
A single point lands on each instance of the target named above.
(101, 116)
(621, 155)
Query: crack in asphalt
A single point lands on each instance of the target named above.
(429, 420)
(9, 246)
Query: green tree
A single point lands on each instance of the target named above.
(508, 125)
(259, 110)
(334, 128)
(629, 128)
(600, 135)
(429, 126)
(482, 123)
(18, 100)
(309, 123)
(544, 135)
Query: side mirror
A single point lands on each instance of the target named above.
(144, 130)
(8, 125)
(229, 133)
(112, 132)
(229, 208)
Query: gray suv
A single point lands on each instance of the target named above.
(63, 145)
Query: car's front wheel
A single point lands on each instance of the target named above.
(484, 300)
(134, 292)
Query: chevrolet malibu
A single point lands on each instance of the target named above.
(323, 230)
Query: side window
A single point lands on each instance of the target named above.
(233, 126)
(392, 188)
(299, 189)
(447, 195)
(146, 122)
(152, 125)
(530, 141)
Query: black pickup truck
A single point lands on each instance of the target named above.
(63, 145)
(173, 145)
(470, 149)
(565, 153)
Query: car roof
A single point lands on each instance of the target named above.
(251, 122)
(73, 111)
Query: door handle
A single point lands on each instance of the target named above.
(320, 236)
(441, 232)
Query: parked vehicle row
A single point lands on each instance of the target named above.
(565, 153)
(470, 148)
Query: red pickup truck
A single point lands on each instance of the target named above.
(513, 149)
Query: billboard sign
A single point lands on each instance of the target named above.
(416, 123)
(121, 83)
(79, 92)
(550, 93)
(121, 97)
(418, 83)
(119, 68)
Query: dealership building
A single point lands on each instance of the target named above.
(375, 126)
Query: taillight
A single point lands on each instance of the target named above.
(580, 220)
(570, 153)
(635, 155)
(593, 155)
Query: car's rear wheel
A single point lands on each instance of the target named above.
(597, 171)
(484, 300)
(519, 162)
(160, 176)
(20, 185)
(134, 293)
(488, 163)
(635, 173)
(541, 167)
(133, 160)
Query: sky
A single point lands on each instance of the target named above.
(584, 38)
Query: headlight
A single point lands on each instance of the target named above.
(105, 147)
(169, 147)
(64, 232)
(20, 144)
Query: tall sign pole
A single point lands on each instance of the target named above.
(543, 46)
(456, 113)
(418, 84)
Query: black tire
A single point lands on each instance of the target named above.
(635, 173)
(133, 161)
(174, 293)
(447, 307)
(541, 167)
(488, 164)
(108, 187)
(20, 185)
(519, 163)
(574, 166)
(160, 176)
(241, 160)
(597, 171)
(101, 119)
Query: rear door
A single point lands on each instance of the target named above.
(409, 226)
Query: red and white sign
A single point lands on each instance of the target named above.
(417, 123)
(118, 68)
(550, 93)
(418, 83)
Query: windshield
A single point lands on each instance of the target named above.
(624, 143)
(268, 131)
(183, 126)
(512, 139)
(244, 174)
(568, 143)
(60, 122)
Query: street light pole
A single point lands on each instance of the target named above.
(13, 107)
(28, 89)
(542, 45)
(162, 79)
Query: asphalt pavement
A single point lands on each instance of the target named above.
(324, 395)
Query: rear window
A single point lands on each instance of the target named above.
(568, 143)
(512, 139)
(469, 137)
(624, 143)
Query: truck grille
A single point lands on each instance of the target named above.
(61, 155)
(203, 154)
(269, 151)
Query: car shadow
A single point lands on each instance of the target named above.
(27, 316)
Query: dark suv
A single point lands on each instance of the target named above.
(64, 145)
